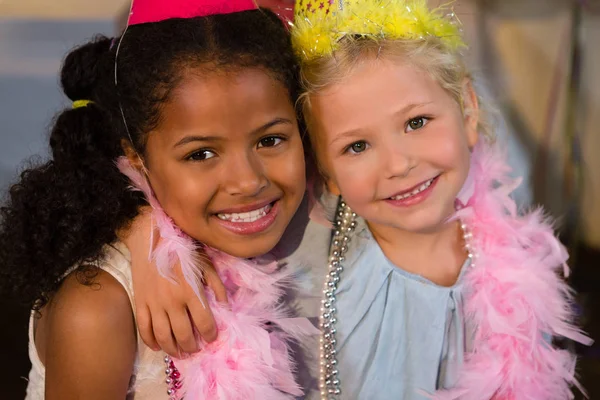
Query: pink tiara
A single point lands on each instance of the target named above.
(143, 11)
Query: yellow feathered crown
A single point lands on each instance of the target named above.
(320, 24)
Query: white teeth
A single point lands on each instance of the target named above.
(414, 191)
(249, 216)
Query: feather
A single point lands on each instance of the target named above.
(517, 297)
(248, 360)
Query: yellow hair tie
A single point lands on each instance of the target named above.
(81, 103)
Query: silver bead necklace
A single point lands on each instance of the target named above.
(329, 382)
(344, 225)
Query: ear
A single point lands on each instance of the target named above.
(132, 155)
(470, 113)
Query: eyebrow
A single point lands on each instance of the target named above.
(197, 138)
(356, 132)
(275, 122)
(201, 138)
(410, 107)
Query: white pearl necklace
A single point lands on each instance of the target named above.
(345, 223)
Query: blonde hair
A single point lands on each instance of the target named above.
(430, 54)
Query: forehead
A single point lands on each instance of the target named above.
(200, 90)
(375, 89)
(220, 103)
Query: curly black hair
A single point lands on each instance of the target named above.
(61, 214)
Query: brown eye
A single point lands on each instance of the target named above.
(269, 141)
(416, 123)
(201, 155)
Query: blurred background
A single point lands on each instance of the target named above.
(537, 60)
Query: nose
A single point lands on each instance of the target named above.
(397, 158)
(245, 176)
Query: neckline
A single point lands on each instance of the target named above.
(366, 238)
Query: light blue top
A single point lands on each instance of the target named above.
(398, 333)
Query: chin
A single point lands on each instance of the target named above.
(250, 252)
(418, 223)
(434, 224)
(250, 248)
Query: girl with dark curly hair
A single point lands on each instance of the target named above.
(203, 108)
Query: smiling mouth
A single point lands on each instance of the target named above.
(415, 191)
(249, 216)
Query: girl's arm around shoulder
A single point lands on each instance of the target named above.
(90, 340)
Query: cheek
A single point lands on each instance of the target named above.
(181, 192)
(448, 150)
(451, 155)
(355, 178)
(289, 170)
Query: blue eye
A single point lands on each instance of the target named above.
(201, 155)
(357, 147)
(416, 123)
(269, 141)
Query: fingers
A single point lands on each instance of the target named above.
(169, 314)
(182, 330)
(199, 309)
(203, 318)
(144, 322)
(214, 282)
(164, 335)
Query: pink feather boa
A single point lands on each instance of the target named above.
(247, 361)
(516, 294)
(251, 358)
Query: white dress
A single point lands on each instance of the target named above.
(148, 378)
